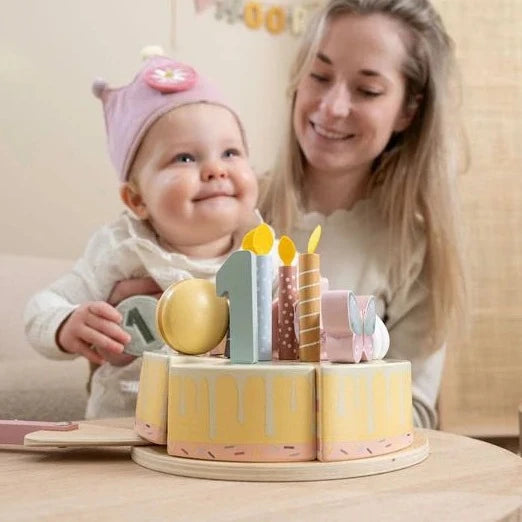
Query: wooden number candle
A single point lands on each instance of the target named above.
(287, 298)
(139, 314)
(310, 301)
(262, 242)
(237, 279)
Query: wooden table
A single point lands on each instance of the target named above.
(463, 479)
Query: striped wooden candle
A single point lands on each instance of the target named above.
(309, 307)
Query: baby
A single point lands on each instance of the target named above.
(182, 159)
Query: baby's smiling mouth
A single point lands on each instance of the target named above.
(330, 134)
(214, 192)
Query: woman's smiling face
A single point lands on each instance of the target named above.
(351, 99)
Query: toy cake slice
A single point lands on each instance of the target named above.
(152, 402)
(364, 410)
(252, 413)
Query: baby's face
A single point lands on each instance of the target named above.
(194, 177)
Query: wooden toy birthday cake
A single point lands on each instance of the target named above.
(328, 396)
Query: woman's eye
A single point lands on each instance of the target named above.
(231, 153)
(319, 77)
(370, 93)
(184, 157)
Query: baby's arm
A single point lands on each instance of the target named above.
(68, 317)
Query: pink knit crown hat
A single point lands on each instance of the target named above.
(161, 85)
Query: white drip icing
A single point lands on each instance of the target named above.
(402, 391)
(389, 375)
(211, 381)
(202, 376)
(402, 412)
(199, 393)
(356, 393)
(181, 404)
(293, 395)
(313, 417)
(240, 382)
(269, 406)
(341, 397)
(369, 398)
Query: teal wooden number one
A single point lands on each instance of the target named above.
(237, 279)
(134, 319)
(139, 312)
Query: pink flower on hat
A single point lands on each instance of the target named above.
(172, 77)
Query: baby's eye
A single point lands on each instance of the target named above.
(184, 157)
(230, 153)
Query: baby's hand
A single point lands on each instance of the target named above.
(95, 323)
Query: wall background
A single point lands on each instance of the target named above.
(483, 382)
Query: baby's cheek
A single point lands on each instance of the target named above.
(176, 194)
(249, 199)
(250, 187)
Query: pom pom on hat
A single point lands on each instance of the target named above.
(98, 86)
(151, 50)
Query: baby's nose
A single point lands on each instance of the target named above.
(213, 171)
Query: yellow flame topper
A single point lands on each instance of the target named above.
(314, 239)
(263, 239)
(248, 241)
(286, 250)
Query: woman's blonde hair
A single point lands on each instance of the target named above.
(415, 176)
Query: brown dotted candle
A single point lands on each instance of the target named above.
(286, 338)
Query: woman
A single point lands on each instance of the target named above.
(370, 155)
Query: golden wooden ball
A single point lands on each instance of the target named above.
(191, 318)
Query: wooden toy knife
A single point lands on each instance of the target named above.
(14, 431)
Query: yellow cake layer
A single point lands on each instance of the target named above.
(151, 406)
(152, 401)
(264, 403)
(363, 402)
(206, 407)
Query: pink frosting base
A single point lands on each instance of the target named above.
(243, 452)
(362, 450)
(150, 432)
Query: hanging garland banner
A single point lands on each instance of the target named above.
(256, 15)
(201, 5)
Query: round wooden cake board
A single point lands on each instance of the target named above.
(156, 458)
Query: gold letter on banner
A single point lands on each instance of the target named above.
(253, 15)
(298, 21)
(275, 20)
